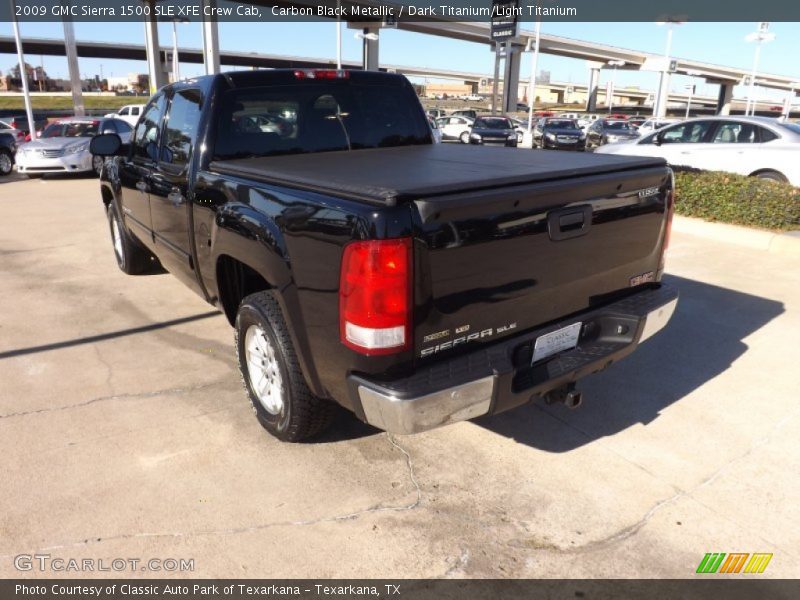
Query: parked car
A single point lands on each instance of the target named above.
(522, 107)
(19, 135)
(8, 147)
(652, 124)
(455, 128)
(64, 146)
(616, 117)
(469, 113)
(475, 98)
(604, 131)
(636, 122)
(757, 146)
(520, 127)
(436, 113)
(129, 113)
(20, 122)
(493, 131)
(415, 284)
(558, 134)
(437, 133)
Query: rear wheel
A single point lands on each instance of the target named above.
(464, 137)
(132, 259)
(6, 162)
(772, 176)
(281, 400)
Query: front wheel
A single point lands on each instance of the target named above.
(280, 398)
(464, 137)
(132, 259)
(772, 176)
(6, 162)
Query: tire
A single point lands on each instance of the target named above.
(132, 259)
(464, 137)
(97, 165)
(6, 162)
(271, 373)
(772, 176)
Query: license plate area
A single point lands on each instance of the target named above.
(556, 341)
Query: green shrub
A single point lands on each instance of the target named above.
(737, 199)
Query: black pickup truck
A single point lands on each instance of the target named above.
(416, 284)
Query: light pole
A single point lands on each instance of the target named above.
(690, 87)
(532, 81)
(760, 36)
(659, 106)
(23, 72)
(176, 68)
(787, 104)
(338, 35)
(615, 64)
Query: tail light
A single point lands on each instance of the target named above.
(375, 296)
(321, 74)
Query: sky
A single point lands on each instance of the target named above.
(717, 43)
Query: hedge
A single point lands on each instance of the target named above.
(737, 199)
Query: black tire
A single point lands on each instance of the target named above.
(6, 162)
(132, 259)
(301, 415)
(772, 176)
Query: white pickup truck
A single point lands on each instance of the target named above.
(129, 113)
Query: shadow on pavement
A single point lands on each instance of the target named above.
(701, 341)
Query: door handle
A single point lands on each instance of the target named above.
(175, 197)
(568, 223)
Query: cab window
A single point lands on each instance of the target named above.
(146, 136)
(180, 128)
(685, 133)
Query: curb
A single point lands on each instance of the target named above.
(787, 244)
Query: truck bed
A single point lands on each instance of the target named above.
(387, 176)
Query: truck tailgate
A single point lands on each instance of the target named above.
(496, 262)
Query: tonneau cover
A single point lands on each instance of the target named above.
(389, 175)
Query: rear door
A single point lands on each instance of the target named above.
(169, 189)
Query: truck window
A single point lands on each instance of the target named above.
(319, 117)
(145, 138)
(181, 127)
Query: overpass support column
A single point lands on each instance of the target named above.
(210, 42)
(370, 38)
(155, 68)
(725, 98)
(591, 90)
(511, 79)
(662, 96)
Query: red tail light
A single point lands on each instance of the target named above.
(375, 296)
(321, 74)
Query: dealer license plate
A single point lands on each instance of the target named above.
(557, 341)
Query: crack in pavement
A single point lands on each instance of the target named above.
(633, 529)
(237, 530)
(177, 390)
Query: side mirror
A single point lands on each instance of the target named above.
(105, 144)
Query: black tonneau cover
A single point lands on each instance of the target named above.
(390, 175)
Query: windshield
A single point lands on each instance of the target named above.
(71, 129)
(621, 125)
(561, 124)
(492, 123)
(319, 117)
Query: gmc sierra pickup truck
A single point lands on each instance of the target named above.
(415, 284)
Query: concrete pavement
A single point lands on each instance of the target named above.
(126, 434)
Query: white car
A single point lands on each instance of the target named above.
(757, 146)
(475, 98)
(654, 124)
(64, 146)
(19, 135)
(129, 113)
(455, 128)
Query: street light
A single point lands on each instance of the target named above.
(338, 35)
(690, 73)
(615, 64)
(532, 82)
(176, 68)
(759, 36)
(659, 106)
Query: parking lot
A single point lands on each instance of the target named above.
(127, 434)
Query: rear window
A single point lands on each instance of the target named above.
(617, 125)
(492, 123)
(319, 117)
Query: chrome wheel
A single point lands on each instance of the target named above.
(263, 370)
(5, 164)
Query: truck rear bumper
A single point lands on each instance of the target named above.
(500, 377)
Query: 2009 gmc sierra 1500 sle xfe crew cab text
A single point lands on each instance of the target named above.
(416, 284)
